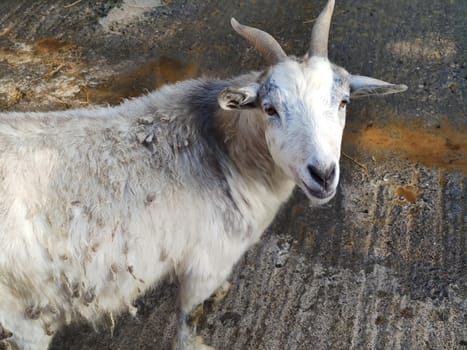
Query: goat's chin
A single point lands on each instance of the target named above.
(315, 200)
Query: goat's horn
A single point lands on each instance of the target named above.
(267, 46)
(320, 33)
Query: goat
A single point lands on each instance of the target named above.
(97, 205)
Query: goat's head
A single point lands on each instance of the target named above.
(304, 105)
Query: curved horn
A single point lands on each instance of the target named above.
(267, 46)
(320, 33)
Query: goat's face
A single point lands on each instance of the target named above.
(303, 103)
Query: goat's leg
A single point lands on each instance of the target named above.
(196, 287)
(186, 337)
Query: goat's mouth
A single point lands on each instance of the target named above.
(320, 194)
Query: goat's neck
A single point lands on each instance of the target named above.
(244, 138)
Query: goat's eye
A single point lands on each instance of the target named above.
(269, 110)
(343, 103)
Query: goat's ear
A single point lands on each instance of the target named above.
(239, 98)
(361, 86)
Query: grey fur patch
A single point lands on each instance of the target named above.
(203, 105)
(340, 86)
(191, 138)
(270, 90)
(267, 88)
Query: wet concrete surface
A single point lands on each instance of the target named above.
(380, 267)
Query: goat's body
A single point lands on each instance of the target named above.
(98, 205)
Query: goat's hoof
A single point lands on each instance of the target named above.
(194, 343)
(198, 344)
(222, 292)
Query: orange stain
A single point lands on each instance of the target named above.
(52, 45)
(139, 80)
(443, 147)
(409, 193)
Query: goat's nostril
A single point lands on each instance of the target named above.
(323, 177)
(317, 175)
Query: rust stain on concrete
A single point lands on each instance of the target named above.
(139, 80)
(44, 51)
(408, 193)
(441, 147)
(59, 65)
(53, 45)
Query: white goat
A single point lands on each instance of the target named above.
(97, 205)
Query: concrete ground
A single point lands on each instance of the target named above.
(383, 266)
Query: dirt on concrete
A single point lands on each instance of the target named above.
(383, 266)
